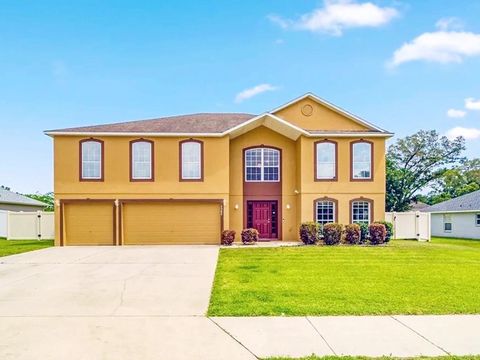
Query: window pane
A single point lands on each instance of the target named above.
(142, 160)
(91, 160)
(362, 160)
(191, 160)
(360, 212)
(262, 164)
(325, 212)
(325, 160)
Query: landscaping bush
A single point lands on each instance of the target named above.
(388, 227)
(363, 233)
(352, 234)
(309, 232)
(332, 233)
(377, 233)
(249, 236)
(228, 237)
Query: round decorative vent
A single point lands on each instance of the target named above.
(307, 110)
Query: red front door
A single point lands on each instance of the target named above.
(264, 218)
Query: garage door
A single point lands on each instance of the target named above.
(171, 223)
(89, 223)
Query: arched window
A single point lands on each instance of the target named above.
(361, 211)
(325, 160)
(361, 155)
(191, 160)
(262, 165)
(91, 160)
(141, 160)
(325, 211)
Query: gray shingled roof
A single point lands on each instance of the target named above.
(10, 197)
(467, 202)
(192, 123)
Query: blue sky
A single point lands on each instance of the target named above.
(88, 62)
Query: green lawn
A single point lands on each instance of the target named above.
(405, 277)
(10, 247)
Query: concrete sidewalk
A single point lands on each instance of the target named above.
(402, 336)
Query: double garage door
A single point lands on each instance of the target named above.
(142, 222)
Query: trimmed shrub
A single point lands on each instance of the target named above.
(388, 227)
(228, 237)
(352, 234)
(377, 233)
(364, 235)
(332, 233)
(249, 236)
(309, 232)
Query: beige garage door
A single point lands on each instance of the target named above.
(89, 223)
(148, 223)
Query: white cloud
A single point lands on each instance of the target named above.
(454, 113)
(251, 92)
(472, 104)
(337, 15)
(450, 23)
(467, 133)
(439, 46)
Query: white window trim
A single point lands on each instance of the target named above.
(200, 159)
(353, 161)
(333, 208)
(369, 212)
(100, 162)
(262, 164)
(477, 218)
(334, 144)
(133, 160)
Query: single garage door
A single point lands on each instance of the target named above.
(89, 223)
(171, 222)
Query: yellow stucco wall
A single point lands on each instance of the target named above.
(321, 118)
(117, 185)
(267, 137)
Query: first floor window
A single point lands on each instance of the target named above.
(362, 160)
(191, 160)
(447, 223)
(325, 211)
(262, 164)
(91, 159)
(142, 165)
(477, 219)
(361, 212)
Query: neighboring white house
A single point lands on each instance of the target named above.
(13, 201)
(459, 217)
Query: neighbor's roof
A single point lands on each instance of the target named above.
(467, 202)
(10, 197)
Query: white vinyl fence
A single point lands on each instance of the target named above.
(410, 225)
(36, 225)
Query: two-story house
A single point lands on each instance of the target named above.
(182, 179)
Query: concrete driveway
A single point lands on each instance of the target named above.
(135, 302)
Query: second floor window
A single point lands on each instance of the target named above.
(191, 160)
(362, 160)
(262, 164)
(325, 160)
(141, 160)
(91, 160)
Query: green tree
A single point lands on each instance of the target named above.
(415, 162)
(458, 181)
(45, 198)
